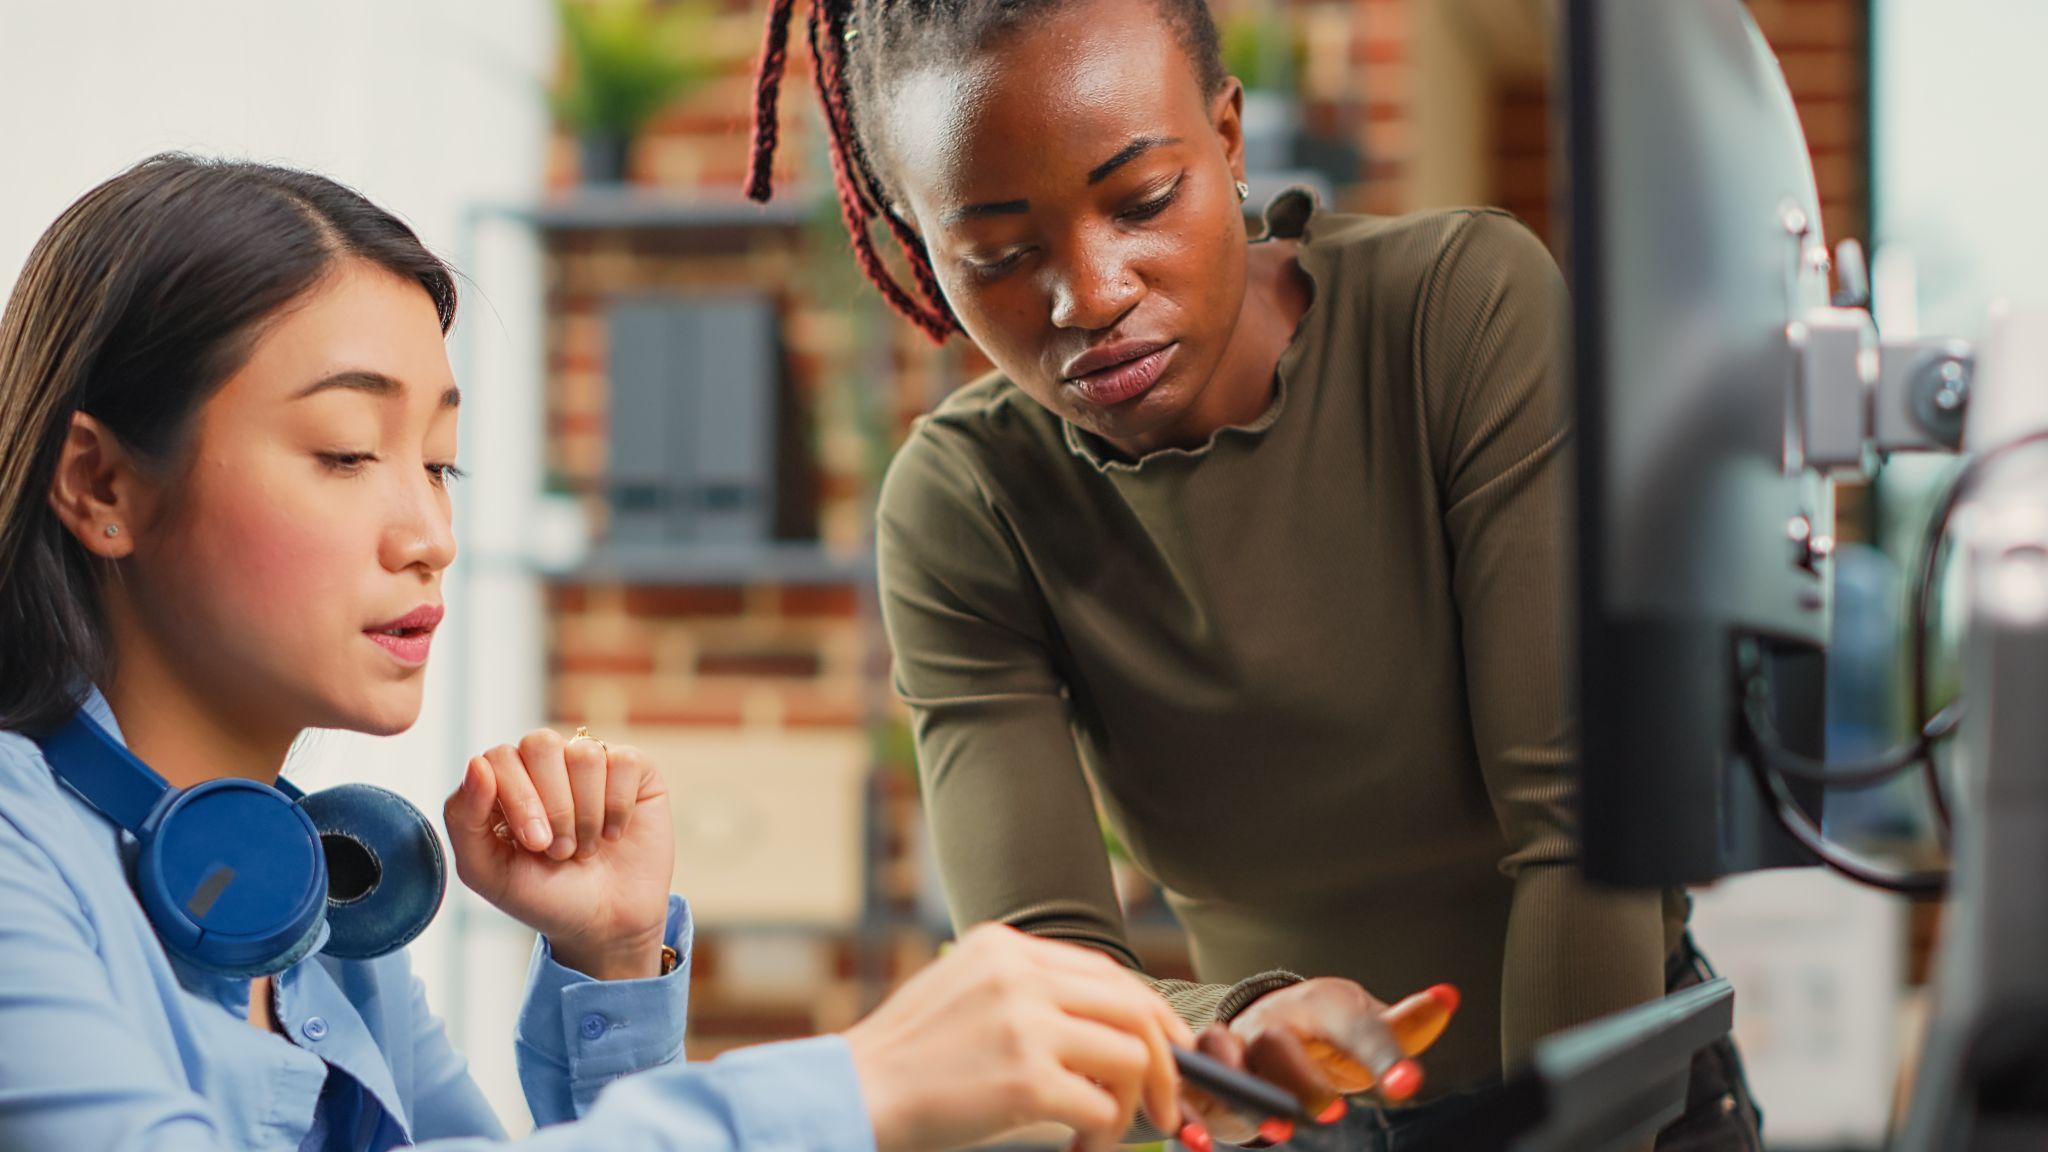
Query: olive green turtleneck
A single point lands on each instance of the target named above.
(1315, 669)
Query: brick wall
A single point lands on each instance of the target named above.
(1383, 61)
(1821, 45)
(671, 657)
(627, 656)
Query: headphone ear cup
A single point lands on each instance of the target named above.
(385, 872)
(301, 948)
(231, 877)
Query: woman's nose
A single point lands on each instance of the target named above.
(1093, 291)
(422, 534)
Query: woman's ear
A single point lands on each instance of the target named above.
(1226, 115)
(97, 492)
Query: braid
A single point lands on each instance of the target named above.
(767, 95)
(855, 183)
(860, 192)
(894, 35)
(914, 251)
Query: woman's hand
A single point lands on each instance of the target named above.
(573, 841)
(1302, 1038)
(1007, 1030)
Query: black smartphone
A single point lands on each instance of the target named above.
(1261, 1098)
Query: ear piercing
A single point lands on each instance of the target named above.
(1244, 191)
(113, 530)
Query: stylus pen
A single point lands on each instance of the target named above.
(1261, 1098)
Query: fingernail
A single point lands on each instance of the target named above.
(1276, 1131)
(612, 832)
(1401, 1081)
(585, 849)
(563, 847)
(536, 834)
(1333, 1113)
(468, 784)
(1196, 1137)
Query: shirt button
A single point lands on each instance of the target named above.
(315, 1028)
(594, 1026)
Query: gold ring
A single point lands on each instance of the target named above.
(583, 733)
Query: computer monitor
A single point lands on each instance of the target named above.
(1694, 241)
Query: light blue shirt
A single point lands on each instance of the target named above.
(107, 1043)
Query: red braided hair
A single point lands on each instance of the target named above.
(767, 94)
(861, 197)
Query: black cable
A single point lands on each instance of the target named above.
(1917, 752)
(1926, 580)
(1931, 553)
(1935, 728)
(1919, 883)
(1771, 761)
(1834, 773)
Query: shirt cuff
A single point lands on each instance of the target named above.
(1242, 993)
(600, 1030)
(795, 1096)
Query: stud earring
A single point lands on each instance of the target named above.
(113, 530)
(1244, 191)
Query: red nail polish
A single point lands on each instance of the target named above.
(1446, 995)
(1401, 1081)
(1276, 1131)
(1196, 1137)
(1334, 1112)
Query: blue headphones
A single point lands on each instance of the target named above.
(239, 877)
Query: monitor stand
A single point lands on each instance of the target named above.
(1609, 1084)
(1614, 1082)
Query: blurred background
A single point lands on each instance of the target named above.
(678, 406)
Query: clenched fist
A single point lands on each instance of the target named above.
(574, 841)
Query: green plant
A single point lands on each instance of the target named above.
(1261, 49)
(625, 61)
(892, 747)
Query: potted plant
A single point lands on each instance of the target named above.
(624, 61)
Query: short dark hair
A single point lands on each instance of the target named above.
(136, 305)
(857, 47)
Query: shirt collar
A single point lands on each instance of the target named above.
(95, 705)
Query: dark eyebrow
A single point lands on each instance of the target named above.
(1130, 152)
(374, 383)
(1096, 175)
(1000, 208)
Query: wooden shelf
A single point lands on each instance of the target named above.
(643, 208)
(680, 564)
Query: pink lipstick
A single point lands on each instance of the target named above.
(409, 636)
